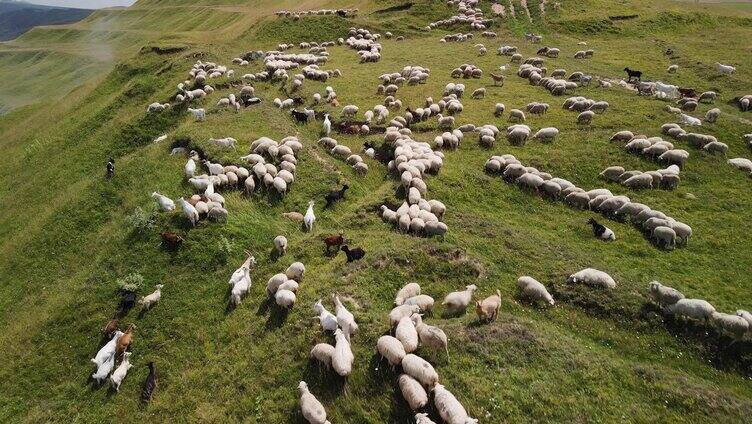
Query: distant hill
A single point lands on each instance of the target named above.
(18, 17)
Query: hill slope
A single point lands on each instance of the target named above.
(17, 18)
(68, 234)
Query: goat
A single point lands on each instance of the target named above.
(171, 240)
(335, 196)
(601, 231)
(353, 254)
(300, 117)
(633, 74)
(110, 168)
(334, 240)
(497, 78)
(125, 341)
(150, 385)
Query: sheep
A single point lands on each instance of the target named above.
(407, 334)
(742, 164)
(664, 295)
(424, 302)
(280, 245)
(725, 69)
(313, 411)
(392, 349)
(147, 302)
(585, 117)
(413, 392)
(672, 69)
(546, 134)
(622, 136)
(422, 418)
(449, 408)
(408, 291)
(402, 311)
(712, 115)
(322, 353)
(295, 271)
(716, 146)
(419, 369)
(516, 115)
(593, 277)
(456, 302)
(736, 325)
(499, 109)
(683, 231)
(479, 93)
(285, 298)
(664, 236)
(119, 374)
(746, 315)
(534, 290)
(697, 309)
(218, 214)
(342, 359)
(430, 336)
(345, 319)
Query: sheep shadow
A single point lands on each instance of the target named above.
(264, 306)
(326, 384)
(277, 318)
(274, 255)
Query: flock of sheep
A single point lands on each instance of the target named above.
(273, 165)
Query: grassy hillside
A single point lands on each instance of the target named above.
(66, 237)
(17, 18)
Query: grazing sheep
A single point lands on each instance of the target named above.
(422, 418)
(392, 349)
(322, 353)
(313, 411)
(697, 309)
(456, 302)
(736, 325)
(449, 408)
(546, 134)
(479, 93)
(342, 359)
(534, 290)
(664, 237)
(280, 244)
(413, 392)
(285, 298)
(423, 301)
(725, 69)
(407, 335)
(408, 291)
(146, 302)
(622, 136)
(402, 311)
(345, 319)
(295, 271)
(585, 117)
(327, 320)
(499, 109)
(419, 369)
(488, 308)
(664, 295)
(430, 336)
(593, 277)
(516, 115)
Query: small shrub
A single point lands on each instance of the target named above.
(224, 249)
(131, 282)
(141, 221)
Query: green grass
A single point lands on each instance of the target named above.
(596, 357)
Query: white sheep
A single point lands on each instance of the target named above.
(323, 352)
(295, 271)
(697, 309)
(327, 320)
(712, 115)
(534, 290)
(391, 349)
(402, 311)
(119, 374)
(345, 319)
(430, 336)
(664, 295)
(420, 369)
(546, 134)
(198, 114)
(165, 203)
(725, 69)
(413, 392)
(342, 359)
(664, 236)
(422, 418)
(407, 335)
(450, 409)
(594, 277)
(423, 301)
(456, 302)
(313, 411)
(285, 298)
(148, 301)
(280, 244)
(736, 325)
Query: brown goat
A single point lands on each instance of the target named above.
(488, 308)
(110, 328)
(334, 241)
(171, 240)
(124, 341)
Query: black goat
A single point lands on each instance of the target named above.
(633, 74)
(353, 254)
(598, 229)
(335, 196)
(149, 385)
(300, 117)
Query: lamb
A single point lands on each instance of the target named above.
(407, 334)
(345, 319)
(119, 374)
(413, 392)
(408, 291)
(456, 302)
(431, 336)
(664, 236)
(323, 352)
(342, 359)
(280, 244)
(309, 217)
(736, 325)
(327, 320)
(697, 309)
(593, 277)
(313, 411)
(165, 203)
(189, 211)
(450, 409)
(725, 69)
(419, 369)
(147, 302)
(392, 349)
(664, 295)
(602, 232)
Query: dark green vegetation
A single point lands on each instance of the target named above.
(17, 17)
(67, 235)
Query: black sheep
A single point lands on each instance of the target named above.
(633, 74)
(335, 196)
(598, 229)
(353, 254)
(300, 117)
(149, 385)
